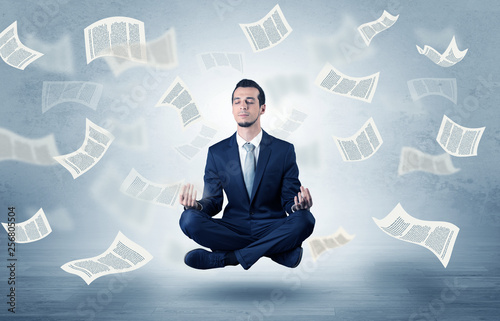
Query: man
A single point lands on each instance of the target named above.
(259, 175)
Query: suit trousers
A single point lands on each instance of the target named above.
(249, 239)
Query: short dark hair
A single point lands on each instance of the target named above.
(253, 84)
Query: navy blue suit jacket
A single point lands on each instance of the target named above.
(275, 186)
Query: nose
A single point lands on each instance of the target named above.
(243, 105)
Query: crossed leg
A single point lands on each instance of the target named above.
(283, 235)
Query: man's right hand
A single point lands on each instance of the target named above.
(187, 198)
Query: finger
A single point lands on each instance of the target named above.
(182, 191)
(188, 195)
(299, 202)
(181, 195)
(304, 191)
(191, 196)
(308, 197)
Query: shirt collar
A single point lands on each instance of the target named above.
(255, 141)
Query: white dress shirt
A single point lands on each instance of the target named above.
(243, 152)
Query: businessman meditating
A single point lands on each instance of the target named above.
(267, 213)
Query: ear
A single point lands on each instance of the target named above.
(262, 109)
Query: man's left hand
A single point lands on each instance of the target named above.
(303, 200)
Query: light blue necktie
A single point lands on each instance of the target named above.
(249, 170)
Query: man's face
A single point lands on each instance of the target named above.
(246, 110)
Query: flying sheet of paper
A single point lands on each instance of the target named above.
(321, 244)
(333, 81)
(204, 137)
(422, 87)
(215, 60)
(268, 31)
(290, 124)
(122, 256)
(371, 29)
(97, 142)
(438, 237)
(116, 36)
(361, 145)
(140, 188)
(34, 151)
(161, 53)
(414, 160)
(451, 56)
(457, 140)
(34, 229)
(13, 52)
(178, 96)
(82, 92)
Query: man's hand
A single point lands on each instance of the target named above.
(303, 200)
(187, 198)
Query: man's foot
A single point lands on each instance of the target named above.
(203, 259)
(290, 258)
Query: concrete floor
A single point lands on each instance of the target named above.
(382, 280)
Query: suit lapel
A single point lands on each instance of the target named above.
(234, 165)
(264, 153)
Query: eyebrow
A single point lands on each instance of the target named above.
(235, 98)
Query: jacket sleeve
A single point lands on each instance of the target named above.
(291, 183)
(213, 196)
